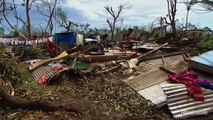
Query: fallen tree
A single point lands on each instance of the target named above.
(13, 102)
(10, 71)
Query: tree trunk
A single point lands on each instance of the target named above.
(174, 31)
(6, 100)
(51, 15)
(187, 17)
(28, 19)
(113, 30)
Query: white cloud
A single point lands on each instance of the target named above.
(140, 12)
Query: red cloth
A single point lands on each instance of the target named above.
(52, 48)
(57, 68)
(42, 80)
(189, 79)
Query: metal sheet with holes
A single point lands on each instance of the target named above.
(183, 106)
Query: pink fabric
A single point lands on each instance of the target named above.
(42, 80)
(189, 79)
(57, 68)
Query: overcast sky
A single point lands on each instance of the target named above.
(140, 12)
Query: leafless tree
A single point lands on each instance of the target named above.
(172, 8)
(47, 9)
(115, 15)
(188, 4)
(83, 28)
(207, 4)
(64, 21)
(4, 11)
(12, 7)
(28, 4)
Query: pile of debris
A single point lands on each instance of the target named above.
(79, 60)
(173, 79)
(183, 83)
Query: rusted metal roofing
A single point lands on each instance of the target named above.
(155, 75)
(47, 71)
(176, 67)
(166, 59)
(148, 82)
(183, 106)
(148, 79)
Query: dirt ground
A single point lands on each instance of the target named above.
(98, 97)
(102, 97)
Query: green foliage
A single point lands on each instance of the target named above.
(204, 44)
(14, 73)
(83, 67)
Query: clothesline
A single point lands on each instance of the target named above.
(20, 41)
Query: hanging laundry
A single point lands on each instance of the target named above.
(52, 48)
(193, 84)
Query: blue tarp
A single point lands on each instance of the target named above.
(65, 37)
(205, 58)
(203, 62)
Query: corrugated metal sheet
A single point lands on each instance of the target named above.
(146, 67)
(203, 62)
(168, 59)
(47, 71)
(183, 106)
(155, 94)
(147, 83)
(176, 67)
(148, 79)
(155, 76)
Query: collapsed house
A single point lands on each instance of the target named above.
(181, 82)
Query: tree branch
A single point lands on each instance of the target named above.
(4, 15)
(31, 4)
(51, 15)
(20, 19)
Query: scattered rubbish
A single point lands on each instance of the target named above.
(148, 46)
(193, 84)
(103, 58)
(31, 62)
(44, 74)
(152, 50)
(152, 74)
(82, 67)
(38, 64)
